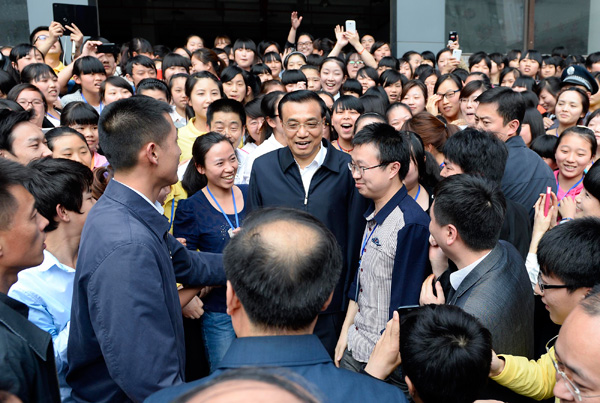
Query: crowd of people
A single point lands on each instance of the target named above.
(318, 222)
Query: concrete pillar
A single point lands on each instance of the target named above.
(417, 25)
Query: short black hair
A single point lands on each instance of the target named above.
(347, 102)
(550, 84)
(293, 77)
(524, 81)
(36, 71)
(351, 85)
(474, 205)
(389, 61)
(58, 181)
(62, 131)
(374, 103)
(592, 59)
(11, 174)
(390, 77)
(175, 59)
(8, 120)
(392, 146)
(7, 82)
(591, 181)
(510, 104)
(153, 84)
(445, 77)
(128, 124)
(300, 97)
(139, 60)
(88, 65)
(286, 287)
(477, 152)
(78, 113)
(446, 353)
(226, 105)
(544, 146)
(115, 81)
(477, 57)
(571, 252)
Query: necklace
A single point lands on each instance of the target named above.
(342, 148)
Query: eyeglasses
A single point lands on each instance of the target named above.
(353, 167)
(304, 44)
(294, 126)
(543, 286)
(41, 38)
(449, 94)
(560, 369)
(25, 103)
(353, 62)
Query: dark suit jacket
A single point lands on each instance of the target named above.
(498, 293)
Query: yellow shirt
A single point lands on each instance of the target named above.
(58, 68)
(185, 139)
(170, 206)
(534, 379)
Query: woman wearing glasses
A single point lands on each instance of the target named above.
(445, 100)
(31, 98)
(568, 256)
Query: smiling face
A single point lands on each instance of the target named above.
(573, 155)
(49, 87)
(373, 183)
(179, 99)
(547, 100)
(90, 132)
(354, 64)
(228, 124)
(28, 144)
(235, 88)
(220, 165)
(343, 121)
(194, 43)
(302, 125)
(294, 62)
(32, 100)
(559, 301)
(569, 108)
(365, 81)
(382, 52)
(594, 124)
(587, 205)
(204, 93)
(415, 99)
(449, 105)
(332, 77)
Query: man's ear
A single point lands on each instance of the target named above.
(150, 153)
(411, 386)
(513, 126)
(394, 168)
(232, 300)
(326, 304)
(451, 234)
(62, 213)
(128, 77)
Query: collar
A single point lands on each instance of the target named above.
(274, 141)
(50, 261)
(319, 158)
(156, 204)
(457, 277)
(13, 315)
(275, 351)
(515, 142)
(138, 206)
(331, 161)
(387, 209)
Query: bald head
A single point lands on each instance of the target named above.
(283, 266)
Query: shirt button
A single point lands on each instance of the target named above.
(361, 270)
(358, 309)
(361, 290)
(356, 327)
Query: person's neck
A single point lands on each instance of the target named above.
(8, 277)
(304, 162)
(200, 124)
(566, 183)
(390, 192)
(344, 145)
(495, 78)
(141, 181)
(52, 111)
(439, 157)
(562, 128)
(63, 247)
(467, 256)
(180, 111)
(280, 137)
(248, 329)
(52, 60)
(413, 190)
(92, 98)
(220, 193)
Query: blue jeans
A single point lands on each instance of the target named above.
(218, 335)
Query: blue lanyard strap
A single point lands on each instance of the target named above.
(572, 187)
(366, 240)
(418, 192)
(237, 221)
(85, 100)
(172, 213)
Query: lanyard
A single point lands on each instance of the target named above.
(418, 192)
(362, 251)
(172, 212)
(572, 187)
(237, 221)
(85, 100)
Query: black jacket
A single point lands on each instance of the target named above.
(27, 367)
(332, 198)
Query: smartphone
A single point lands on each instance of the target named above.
(457, 53)
(548, 201)
(405, 310)
(453, 36)
(108, 48)
(351, 25)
